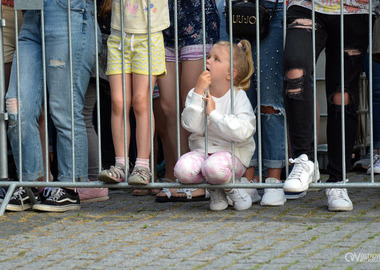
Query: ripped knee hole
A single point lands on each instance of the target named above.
(294, 82)
(352, 52)
(337, 98)
(269, 110)
(11, 105)
(301, 23)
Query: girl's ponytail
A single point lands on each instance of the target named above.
(244, 64)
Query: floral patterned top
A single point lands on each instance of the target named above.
(333, 6)
(190, 32)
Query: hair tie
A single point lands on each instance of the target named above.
(241, 46)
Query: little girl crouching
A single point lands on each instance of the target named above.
(224, 125)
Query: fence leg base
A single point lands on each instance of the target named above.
(7, 198)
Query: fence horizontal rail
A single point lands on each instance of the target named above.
(178, 185)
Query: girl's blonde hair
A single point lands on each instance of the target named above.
(242, 62)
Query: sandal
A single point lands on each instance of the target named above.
(182, 195)
(153, 191)
(139, 176)
(145, 192)
(141, 192)
(115, 174)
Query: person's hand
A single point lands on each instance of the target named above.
(203, 82)
(210, 103)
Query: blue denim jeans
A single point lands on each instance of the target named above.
(271, 51)
(375, 99)
(272, 124)
(58, 80)
(222, 29)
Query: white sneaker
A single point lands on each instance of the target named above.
(240, 198)
(251, 191)
(295, 195)
(218, 200)
(338, 200)
(254, 194)
(376, 165)
(301, 175)
(273, 196)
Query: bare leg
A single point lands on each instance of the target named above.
(166, 118)
(189, 75)
(141, 108)
(272, 172)
(117, 114)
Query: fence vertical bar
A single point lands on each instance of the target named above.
(178, 111)
(3, 114)
(126, 148)
(342, 90)
(98, 119)
(315, 135)
(71, 90)
(150, 91)
(204, 68)
(370, 86)
(47, 170)
(285, 118)
(232, 81)
(258, 80)
(232, 92)
(19, 98)
(231, 40)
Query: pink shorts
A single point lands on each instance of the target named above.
(192, 52)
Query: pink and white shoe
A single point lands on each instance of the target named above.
(93, 194)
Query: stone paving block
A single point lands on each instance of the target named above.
(128, 231)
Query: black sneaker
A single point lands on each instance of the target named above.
(59, 200)
(3, 192)
(20, 200)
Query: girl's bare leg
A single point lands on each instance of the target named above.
(141, 107)
(166, 116)
(191, 70)
(117, 114)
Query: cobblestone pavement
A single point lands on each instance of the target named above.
(128, 232)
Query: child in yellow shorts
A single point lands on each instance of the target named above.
(135, 54)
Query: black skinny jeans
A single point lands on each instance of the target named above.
(299, 105)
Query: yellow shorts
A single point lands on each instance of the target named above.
(136, 54)
(9, 32)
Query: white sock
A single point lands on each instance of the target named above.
(142, 162)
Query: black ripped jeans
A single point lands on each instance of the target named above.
(299, 105)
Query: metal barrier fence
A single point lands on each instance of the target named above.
(39, 5)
